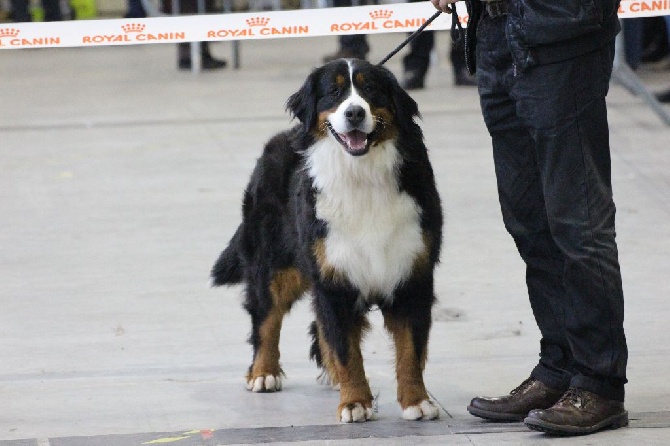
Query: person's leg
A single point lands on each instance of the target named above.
(522, 203)
(209, 62)
(633, 31)
(563, 106)
(52, 11)
(665, 96)
(352, 45)
(524, 214)
(355, 44)
(573, 275)
(20, 12)
(568, 122)
(135, 10)
(184, 49)
(416, 62)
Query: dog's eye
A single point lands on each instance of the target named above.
(333, 90)
(370, 88)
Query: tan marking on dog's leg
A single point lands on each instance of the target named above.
(265, 374)
(287, 286)
(355, 395)
(412, 394)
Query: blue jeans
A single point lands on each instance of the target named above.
(551, 151)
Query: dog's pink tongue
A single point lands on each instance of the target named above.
(355, 139)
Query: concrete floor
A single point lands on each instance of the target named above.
(120, 182)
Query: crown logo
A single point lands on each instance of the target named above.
(9, 32)
(133, 28)
(258, 21)
(381, 14)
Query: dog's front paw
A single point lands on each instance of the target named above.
(425, 410)
(264, 383)
(355, 413)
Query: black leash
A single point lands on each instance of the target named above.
(456, 30)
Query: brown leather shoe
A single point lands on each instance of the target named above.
(531, 394)
(578, 412)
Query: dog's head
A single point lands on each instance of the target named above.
(354, 102)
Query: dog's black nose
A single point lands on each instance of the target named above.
(354, 114)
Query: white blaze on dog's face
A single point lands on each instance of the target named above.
(350, 102)
(352, 121)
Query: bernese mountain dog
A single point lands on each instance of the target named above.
(343, 206)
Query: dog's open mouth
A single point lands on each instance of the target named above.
(354, 142)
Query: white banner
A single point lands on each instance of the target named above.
(397, 17)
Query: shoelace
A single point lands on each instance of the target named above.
(574, 397)
(523, 386)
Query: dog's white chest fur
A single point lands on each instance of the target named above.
(374, 234)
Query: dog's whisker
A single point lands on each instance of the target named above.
(380, 121)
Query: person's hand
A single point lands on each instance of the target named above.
(443, 5)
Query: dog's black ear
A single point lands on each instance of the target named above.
(406, 108)
(302, 104)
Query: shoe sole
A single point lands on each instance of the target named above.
(613, 422)
(496, 416)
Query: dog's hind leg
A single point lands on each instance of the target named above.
(267, 313)
(408, 321)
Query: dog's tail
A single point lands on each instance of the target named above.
(228, 267)
(316, 355)
(315, 350)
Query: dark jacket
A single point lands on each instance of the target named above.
(548, 31)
